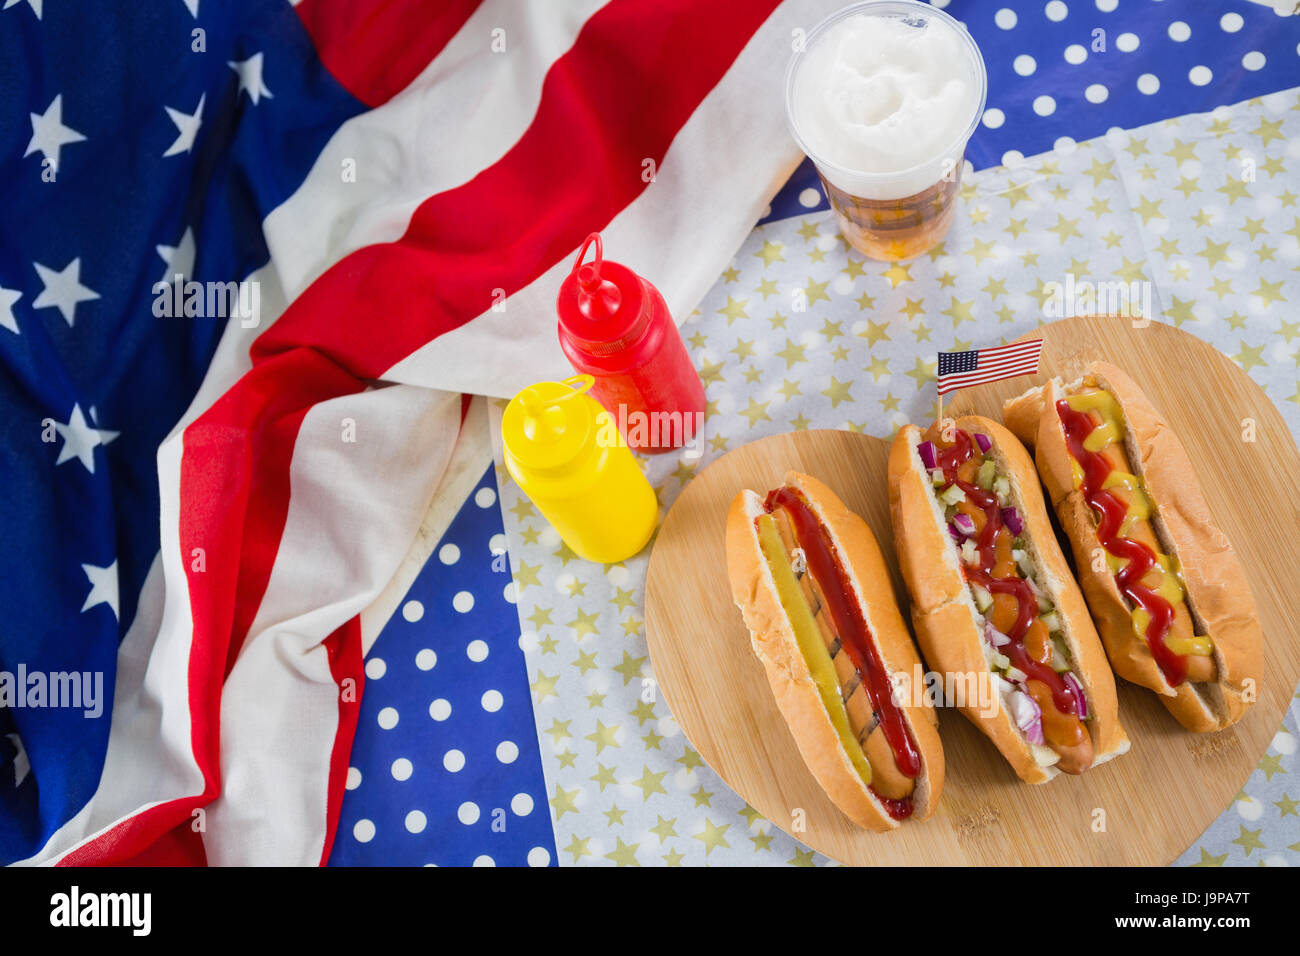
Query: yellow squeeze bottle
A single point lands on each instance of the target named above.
(566, 452)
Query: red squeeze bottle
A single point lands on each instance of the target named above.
(615, 326)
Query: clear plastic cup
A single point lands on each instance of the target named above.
(885, 115)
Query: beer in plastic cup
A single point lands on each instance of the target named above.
(883, 97)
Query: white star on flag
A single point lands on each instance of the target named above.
(63, 289)
(7, 299)
(190, 5)
(179, 258)
(49, 135)
(21, 764)
(34, 4)
(103, 587)
(80, 439)
(187, 125)
(250, 77)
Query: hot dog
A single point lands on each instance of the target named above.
(1169, 596)
(814, 591)
(993, 601)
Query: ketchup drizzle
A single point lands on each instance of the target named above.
(825, 566)
(1141, 559)
(949, 460)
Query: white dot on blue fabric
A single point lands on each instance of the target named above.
(1056, 11)
(446, 739)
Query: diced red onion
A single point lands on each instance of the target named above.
(984, 442)
(926, 451)
(995, 637)
(1028, 716)
(963, 523)
(1072, 682)
(956, 535)
(1011, 518)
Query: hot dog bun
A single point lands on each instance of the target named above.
(947, 623)
(789, 672)
(1218, 592)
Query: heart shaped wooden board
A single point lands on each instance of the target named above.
(1155, 800)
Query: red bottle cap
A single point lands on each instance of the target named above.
(602, 305)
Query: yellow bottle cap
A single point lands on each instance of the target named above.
(544, 428)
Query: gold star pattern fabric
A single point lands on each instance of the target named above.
(802, 332)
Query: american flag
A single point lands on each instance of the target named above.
(201, 507)
(977, 366)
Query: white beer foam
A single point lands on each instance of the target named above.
(880, 103)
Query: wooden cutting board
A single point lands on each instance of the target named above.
(1158, 798)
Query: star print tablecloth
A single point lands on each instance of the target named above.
(1202, 207)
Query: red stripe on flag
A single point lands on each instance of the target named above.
(376, 48)
(346, 664)
(619, 96)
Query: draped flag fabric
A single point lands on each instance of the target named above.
(254, 252)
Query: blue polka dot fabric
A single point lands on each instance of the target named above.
(1068, 70)
(445, 768)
